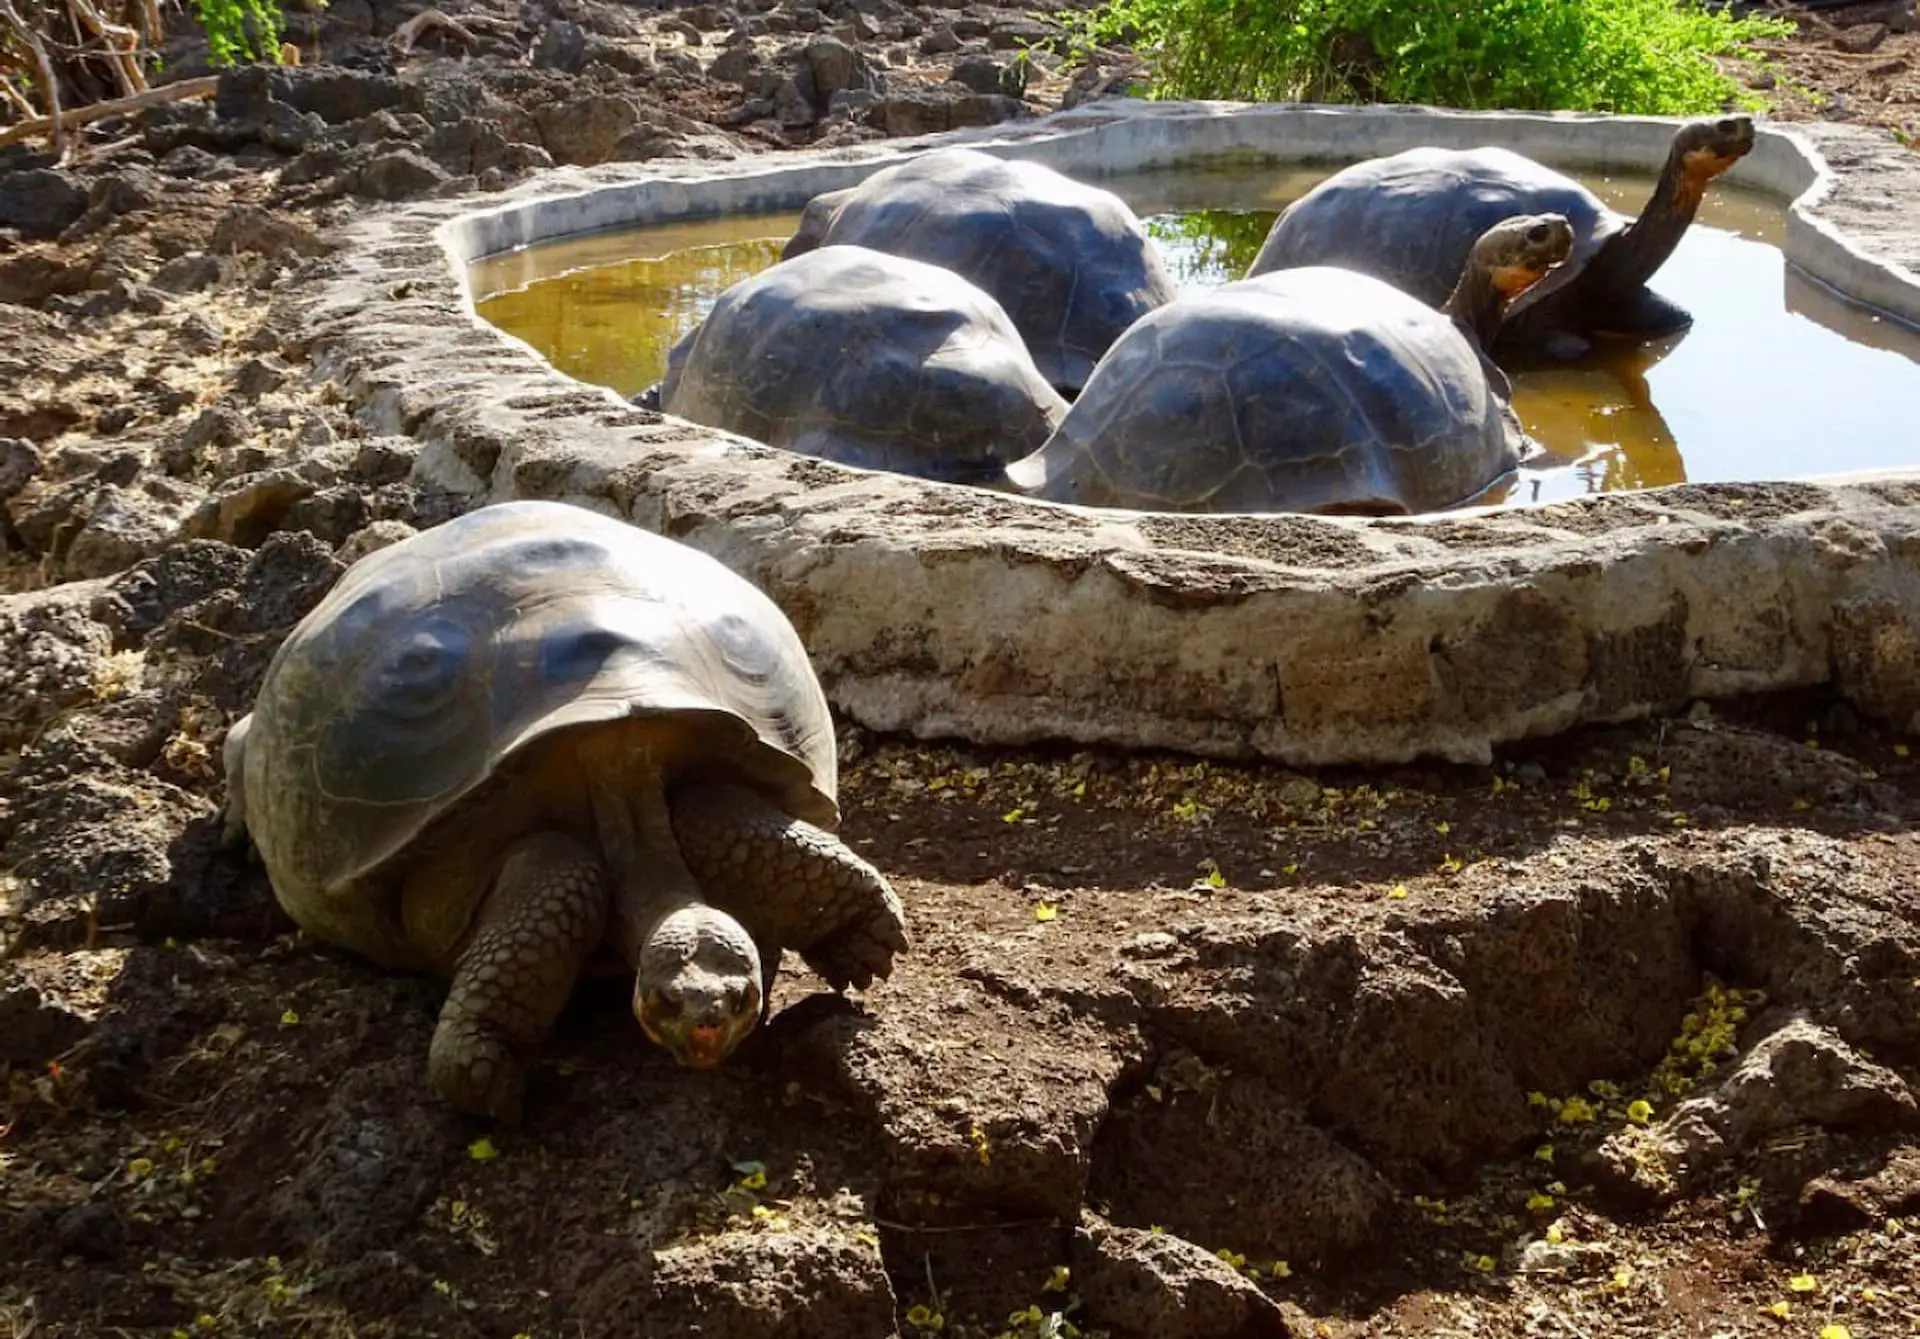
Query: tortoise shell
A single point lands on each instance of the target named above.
(1313, 389)
(869, 359)
(434, 662)
(1071, 263)
(1412, 218)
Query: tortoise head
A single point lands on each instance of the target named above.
(1708, 147)
(1517, 252)
(697, 989)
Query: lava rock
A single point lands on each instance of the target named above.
(257, 376)
(1020, 34)
(29, 280)
(249, 228)
(116, 296)
(835, 66)
(811, 1283)
(333, 94)
(589, 129)
(248, 509)
(371, 538)
(1859, 40)
(19, 465)
(1799, 1074)
(983, 74)
(41, 202)
(1284, 1188)
(333, 514)
(1838, 1204)
(36, 1026)
(192, 163)
(562, 46)
(927, 111)
(480, 146)
(140, 599)
(123, 193)
(1155, 1285)
(52, 648)
(793, 102)
(190, 273)
(371, 1168)
(122, 527)
(735, 65)
(236, 630)
(399, 175)
(218, 425)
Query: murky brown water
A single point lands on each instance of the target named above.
(1778, 377)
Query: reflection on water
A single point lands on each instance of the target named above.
(606, 309)
(1778, 377)
(1599, 425)
(1204, 247)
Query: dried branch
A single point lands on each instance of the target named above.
(99, 111)
(122, 43)
(18, 31)
(426, 20)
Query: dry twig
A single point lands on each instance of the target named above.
(19, 31)
(99, 111)
(428, 20)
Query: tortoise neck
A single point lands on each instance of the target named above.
(651, 880)
(1476, 305)
(1632, 257)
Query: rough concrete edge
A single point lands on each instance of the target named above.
(946, 611)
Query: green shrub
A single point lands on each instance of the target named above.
(240, 30)
(1636, 56)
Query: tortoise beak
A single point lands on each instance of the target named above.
(703, 1047)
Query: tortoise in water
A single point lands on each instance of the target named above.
(1411, 218)
(1072, 265)
(507, 742)
(869, 359)
(1314, 389)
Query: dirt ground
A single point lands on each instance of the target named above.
(1615, 1037)
(1856, 63)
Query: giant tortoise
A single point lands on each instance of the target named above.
(1313, 389)
(508, 741)
(1071, 263)
(869, 359)
(1411, 218)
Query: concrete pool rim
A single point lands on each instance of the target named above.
(942, 611)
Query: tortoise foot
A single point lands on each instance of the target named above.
(814, 893)
(855, 957)
(476, 1072)
(546, 911)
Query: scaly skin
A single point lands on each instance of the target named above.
(816, 896)
(1611, 295)
(533, 933)
(1510, 257)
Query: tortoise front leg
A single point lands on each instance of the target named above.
(545, 915)
(816, 895)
